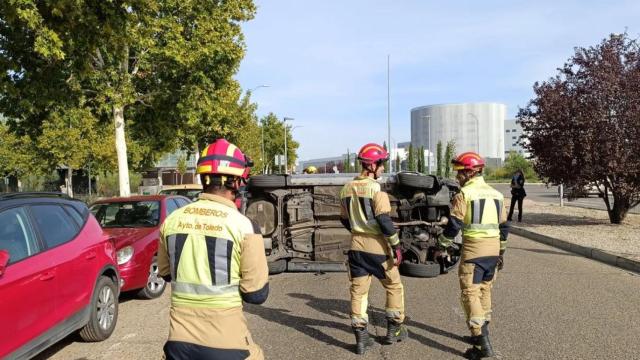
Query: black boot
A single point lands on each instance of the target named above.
(485, 332)
(395, 332)
(363, 341)
(481, 348)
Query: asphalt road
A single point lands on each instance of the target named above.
(542, 193)
(548, 304)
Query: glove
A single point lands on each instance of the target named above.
(501, 260)
(397, 255)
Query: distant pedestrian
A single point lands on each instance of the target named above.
(517, 194)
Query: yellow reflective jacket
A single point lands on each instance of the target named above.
(362, 200)
(213, 254)
(484, 209)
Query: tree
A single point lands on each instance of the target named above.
(274, 142)
(162, 65)
(515, 161)
(439, 160)
(583, 124)
(421, 160)
(449, 154)
(181, 166)
(397, 164)
(17, 154)
(411, 159)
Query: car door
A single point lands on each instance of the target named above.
(58, 230)
(27, 288)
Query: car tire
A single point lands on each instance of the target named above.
(104, 311)
(277, 267)
(267, 181)
(415, 180)
(429, 270)
(155, 284)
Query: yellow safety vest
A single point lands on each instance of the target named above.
(357, 197)
(203, 240)
(484, 209)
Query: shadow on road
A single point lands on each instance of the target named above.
(544, 251)
(302, 324)
(339, 308)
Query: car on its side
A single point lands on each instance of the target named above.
(58, 274)
(299, 217)
(134, 223)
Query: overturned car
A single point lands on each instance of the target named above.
(299, 216)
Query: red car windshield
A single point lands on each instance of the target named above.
(127, 214)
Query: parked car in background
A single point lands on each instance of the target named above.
(58, 274)
(573, 192)
(134, 223)
(190, 191)
(299, 217)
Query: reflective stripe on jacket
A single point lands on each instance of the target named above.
(357, 198)
(212, 253)
(484, 209)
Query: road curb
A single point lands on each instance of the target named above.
(588, 252)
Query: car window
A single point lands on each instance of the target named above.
(181, 202)
(75, 215)
(55, 225)
(171, 206)
(16, 235)
(127, 214)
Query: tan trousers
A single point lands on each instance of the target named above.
(392, 284)
(475, 298)
(213, 328)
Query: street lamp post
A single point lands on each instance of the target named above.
(284, 120)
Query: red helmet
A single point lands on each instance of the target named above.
(224, 158)
(468, 161)
(372, 153)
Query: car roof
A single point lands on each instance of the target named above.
(134, 198)
(182, 186)
(21, 198)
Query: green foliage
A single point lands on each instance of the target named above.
(397, 164)
(411, 159)
(421, 161)
(17, 155)
(439, 160)
(181, 166)
(449, 154)
(167, 64)
(274, 142)
(515, 161)
(107, 183)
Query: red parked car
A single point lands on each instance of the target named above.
(134, 223)
(58, 274)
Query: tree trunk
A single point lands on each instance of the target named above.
(69, 181)
(121, 151)
(197, 157)
(620, 209)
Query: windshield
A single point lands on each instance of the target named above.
(127, 214)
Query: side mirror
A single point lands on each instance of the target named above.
(4, 260)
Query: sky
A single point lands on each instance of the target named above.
(326, 61)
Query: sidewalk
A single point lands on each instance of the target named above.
(583, 231)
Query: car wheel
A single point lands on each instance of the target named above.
(155, 284)
(277, 267)
(416, 180)
(428, 270)
(104, 311)
(267, 181)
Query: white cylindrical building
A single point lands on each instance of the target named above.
(475, 127)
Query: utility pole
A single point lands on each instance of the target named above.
(389, 111)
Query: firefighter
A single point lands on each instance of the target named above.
(310, 170)
(478, 210)
(214, 257)
(375, 248)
